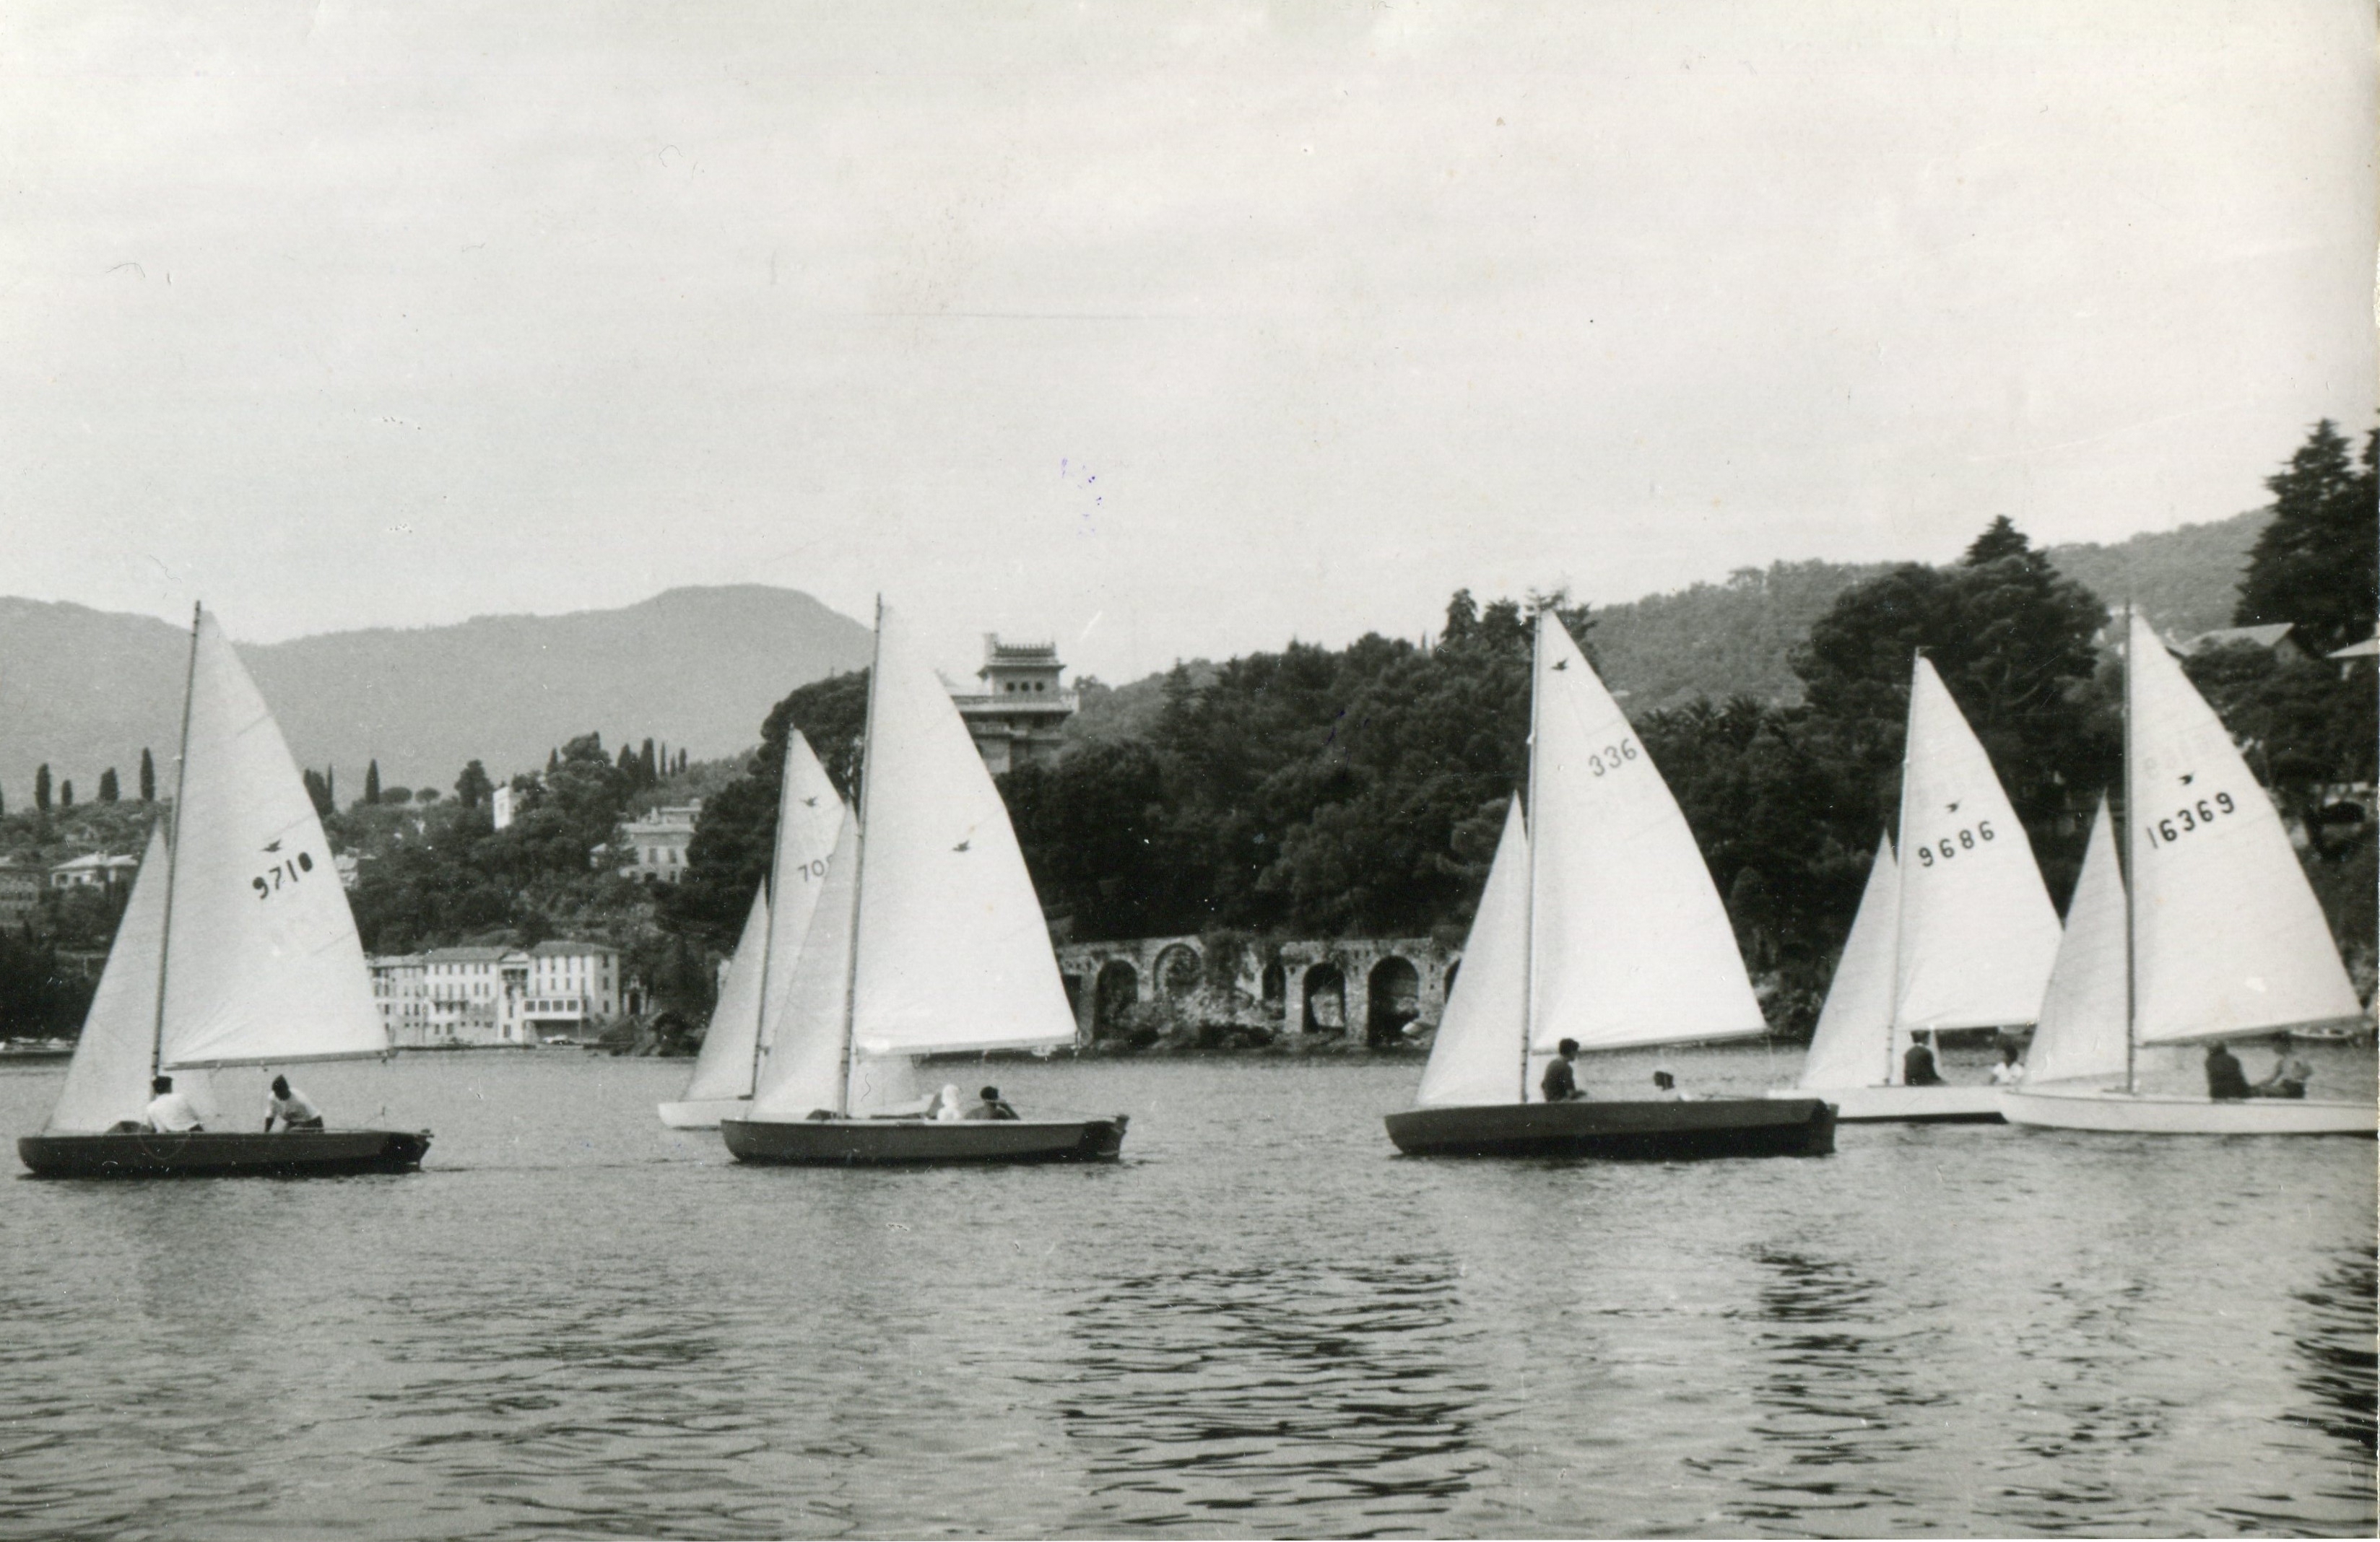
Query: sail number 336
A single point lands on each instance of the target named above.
(1609, 756)
(269, 882)
(2197, 816)
(1951, 845)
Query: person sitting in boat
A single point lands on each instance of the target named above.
(291, 1107)
(1666, 1090)
(1917, 1066)
(2225, 1080)
(1560, 1084)
(991, 1106)
(2009, 1072)
(2290, 1076)
(170, 1114)
(947, 1105)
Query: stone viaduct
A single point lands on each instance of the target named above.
(1367, 989)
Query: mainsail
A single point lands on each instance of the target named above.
(1856, 1025)
(1476, 1056)
(1978, 932)
(2228, 936)
(723, 1069)
(262, 963)
(2083, 1025)
(1631, 945)
(952, 950)
(108, 1079)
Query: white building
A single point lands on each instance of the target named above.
(1020, 715)
(454, 997)
(400, 989)
(656, 844)
(569, 986)
(94, 871)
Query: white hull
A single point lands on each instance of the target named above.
(1907, 1105)
(704, 1113)
(2163, 1114)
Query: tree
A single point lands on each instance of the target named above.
(319, 790)
(2317, 564)
(2001, 538)
(396, 794)
(331, 785)
(646, 768)
(372, 783)
(553, 759)
(148, 778)
(107, 785)
(42, 787)
(472, 787)
(65, 794)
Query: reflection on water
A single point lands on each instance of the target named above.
(1266, 1388)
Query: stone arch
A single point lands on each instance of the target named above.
(1392, 998)
(1325, 991)
(1177, 972)
(1116, 992)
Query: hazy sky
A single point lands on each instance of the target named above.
(1162, 330)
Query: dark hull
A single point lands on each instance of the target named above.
(1628, 1132)
(909, 1142)
(225, 1154)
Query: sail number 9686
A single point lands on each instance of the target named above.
(2190, 817)
(1952, 844)
(269, 882)
(1609, 756)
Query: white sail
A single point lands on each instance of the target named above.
(805, 1070)
(2083, 1014)
(263, 965)
(1476, 1056)
(108, 1079)
(1853, 1045)
(1978, 933)
(809, 820)
(1632, 945)
(2228, 938)
(952, 951)
(723, 1069)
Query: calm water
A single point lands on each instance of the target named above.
(576, 1323)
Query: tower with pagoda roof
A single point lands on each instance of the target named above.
(1019, 716)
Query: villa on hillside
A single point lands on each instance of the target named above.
(97, 871)
(1020, 715)
(655, 845)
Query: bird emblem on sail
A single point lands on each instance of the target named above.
(964, 845)
(2188, 777)
(272, 845)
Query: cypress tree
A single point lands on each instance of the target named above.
(148, 778)
(42, 788)
(65, 792)
(646, 766)
(372, 783)
(107, 785)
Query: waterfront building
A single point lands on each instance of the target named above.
(97, 871)
(570, 985)
(657, 843)
(1020, 715)
(449, 997)
(401, 991)
(21, 891)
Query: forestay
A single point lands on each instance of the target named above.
(2083, 1014)
(1853, 1041)
(1978, 933)
(1632, 945)
(108, 1079)
(1476, 1056)
(809, 820)
(952, 951)
(723, 1069)
(2227, 935)
(263, 965)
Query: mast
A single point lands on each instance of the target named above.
(2131, 876)
(773, 888)
(172, 845)
(1529, 912)
(858, 865)
(1901, 887)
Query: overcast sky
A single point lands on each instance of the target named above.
(1165, 331)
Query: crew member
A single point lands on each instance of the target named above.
(1917, 1066)
(295, 1110)
(2225, 1080)
(991, 1107)
(170, 1114)
(1560, 1084)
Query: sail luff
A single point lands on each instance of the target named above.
(2132, 881)
(728, 1064)
(181, 774)
(859, 864)
(2085, 1028)
(1469, 1057)
(1529, 890)
(109, 1078)
(809, 820)
(1857, 1016)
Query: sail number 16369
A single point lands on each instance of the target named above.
(2190, 817)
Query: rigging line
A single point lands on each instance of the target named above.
(172, 847)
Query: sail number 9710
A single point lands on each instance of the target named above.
(1952, 844)
(2190, 817)
(271, 880)
(1609, 756)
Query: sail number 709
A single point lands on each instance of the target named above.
(1951, 845)
(2190, 817)
(268, 882)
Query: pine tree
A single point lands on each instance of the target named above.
(2001, 538)
(472, 787)
(553, 761)
(42, 788)
(372, 783)
(107, 785)
(2317, 564)
(148, 778)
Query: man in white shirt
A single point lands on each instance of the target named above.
(170, 1114)
(2009, 1072)
(295, 1110)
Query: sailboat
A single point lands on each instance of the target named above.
(237, 948)
(927, 940)
(809, 815)
(1600, 923)
(1960, 934)
(2217, 937)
